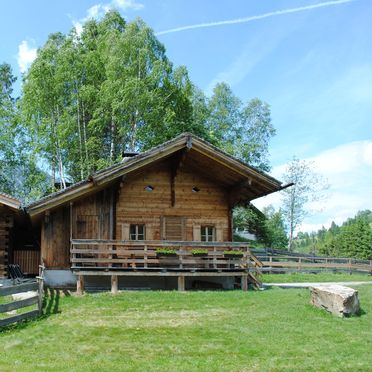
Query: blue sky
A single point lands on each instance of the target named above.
(310, 60)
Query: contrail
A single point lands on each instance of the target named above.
(253, 18)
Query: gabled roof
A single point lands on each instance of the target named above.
(244, 181)
(9, 201)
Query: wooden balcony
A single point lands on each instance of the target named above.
(140, 258)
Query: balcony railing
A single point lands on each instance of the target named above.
(88, 254)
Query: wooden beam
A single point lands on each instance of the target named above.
(176, 164)
(181, 283)
(244, 282)
(114, 284)
(80, 285)
(189, 143)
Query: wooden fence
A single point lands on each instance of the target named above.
(95, 254)
(291, 263)
(34, 299)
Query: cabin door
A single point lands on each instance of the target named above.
(173, 228)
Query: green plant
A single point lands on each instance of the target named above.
(233, 254)
(199, 252)
(166, 252)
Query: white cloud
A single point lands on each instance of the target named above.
(348, 169)
(127, 5)
(93, 11)
(26, 55)
(99, 10)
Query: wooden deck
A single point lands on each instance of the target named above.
(140, 258)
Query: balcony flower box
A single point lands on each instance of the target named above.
(199, 252)
(166, 252)
(233, 255)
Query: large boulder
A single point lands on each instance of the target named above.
(337, 299)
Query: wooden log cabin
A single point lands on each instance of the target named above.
(179, 196)
(16, 238)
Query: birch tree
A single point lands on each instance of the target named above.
(308, 186)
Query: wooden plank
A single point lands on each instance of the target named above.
(6, 291)
(157, 243)
(157, 272)
(114, 284)
(181, 283)
(19, 304)
(17, 318)
(80, 285)
(244, 283)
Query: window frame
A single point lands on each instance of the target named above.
(136, 234)
(208, 233)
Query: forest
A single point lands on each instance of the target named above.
(352, 239)
(89, 97)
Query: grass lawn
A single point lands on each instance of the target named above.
(274, 329)
(320, 277)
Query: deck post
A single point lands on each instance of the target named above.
(181, 283)
(244, 282)
(114, 284)
(80, 285)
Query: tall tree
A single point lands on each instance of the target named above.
(308, 186)
(110, 89)
(276, 232)
(20, 175)
(7, 137)
(241, 130)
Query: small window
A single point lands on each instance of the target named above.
(137, 232)
(207, 233)
(149, 188)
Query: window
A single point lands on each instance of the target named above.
(137, 232)
(207, 233)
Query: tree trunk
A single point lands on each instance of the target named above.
(112, 144)
(80, 141)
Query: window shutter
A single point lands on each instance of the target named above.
(173, 228)
(196, 233)
(219, 234)
(125, 231)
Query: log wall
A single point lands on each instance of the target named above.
(6, 223)
(86, 218)
(135, 205)
(55, 238)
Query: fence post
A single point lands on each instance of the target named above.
(40, 280)
(350, 268)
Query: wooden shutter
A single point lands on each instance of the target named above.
(125, 231)
(173, 228)
(219, 233)
(196, 233)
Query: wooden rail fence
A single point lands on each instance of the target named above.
(35, 299)
(291, 263)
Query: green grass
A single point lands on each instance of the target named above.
(320, 277)
(193, 331)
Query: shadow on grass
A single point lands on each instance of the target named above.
(51, 302)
